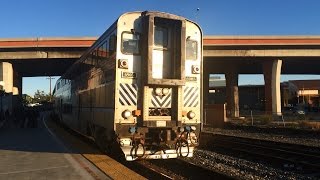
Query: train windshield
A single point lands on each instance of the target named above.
(191, 49)
(130, 43)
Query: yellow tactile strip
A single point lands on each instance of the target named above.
(85, 167)
(109, 166)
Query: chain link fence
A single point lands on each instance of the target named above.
(217, 116)
(298, 118)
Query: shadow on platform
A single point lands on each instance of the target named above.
(17, 137)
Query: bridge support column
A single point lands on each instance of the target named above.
(17, 84)
(6, 76)
(205, 86)
(232, 94)
(272, 73)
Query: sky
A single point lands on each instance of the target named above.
(65, 18)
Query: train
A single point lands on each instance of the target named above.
(138, 87)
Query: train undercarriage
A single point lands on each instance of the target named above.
(158, 143)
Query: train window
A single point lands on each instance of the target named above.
(100, 50)
(112, 44)
(161, 36)
(130, 43)
(95, 56)
(104, 49)
(92, 56)
(99, 54)
(191, 49)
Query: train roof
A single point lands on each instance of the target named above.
(112, 27)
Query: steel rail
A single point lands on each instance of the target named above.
(272, 155)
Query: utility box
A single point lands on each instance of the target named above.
(215, 115)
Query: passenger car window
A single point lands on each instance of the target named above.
(105, 49)
(112, 44)
(130, 43)
(191, 49)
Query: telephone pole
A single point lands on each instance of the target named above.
(50, 86)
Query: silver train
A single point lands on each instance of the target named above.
(138, 87)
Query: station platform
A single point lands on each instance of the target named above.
(36, 153)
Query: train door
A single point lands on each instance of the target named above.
(161, 64)
(165, 74)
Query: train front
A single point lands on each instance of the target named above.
(159, 86)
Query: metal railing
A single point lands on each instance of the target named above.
(215, 117)
(254, 117)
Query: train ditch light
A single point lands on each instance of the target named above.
(126, 114)
(191, 114)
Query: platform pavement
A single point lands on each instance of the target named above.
(33, 153)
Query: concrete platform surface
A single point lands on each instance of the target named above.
(34, 153)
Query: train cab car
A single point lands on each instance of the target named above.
(139, 85)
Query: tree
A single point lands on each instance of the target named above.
(40, 96)
(26, 99)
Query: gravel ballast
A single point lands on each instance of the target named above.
(240, 168)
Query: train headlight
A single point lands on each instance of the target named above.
(193, 128)
(158, 91)
(126, 114)
(191, 114)
(165, 91)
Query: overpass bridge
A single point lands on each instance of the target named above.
(229, 55)
(37, 57)
(267, 55)
(56, 54)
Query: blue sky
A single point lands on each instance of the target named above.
(65, 18)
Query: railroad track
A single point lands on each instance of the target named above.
(149, 169)
(289, 157)
(180, 169)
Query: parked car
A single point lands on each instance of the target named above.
(293, 111)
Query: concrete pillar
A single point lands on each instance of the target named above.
(232, 93)
(272, 73)
(205, 86)
(17, 84)
(6, 76)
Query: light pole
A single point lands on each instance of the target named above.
(50, 86)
